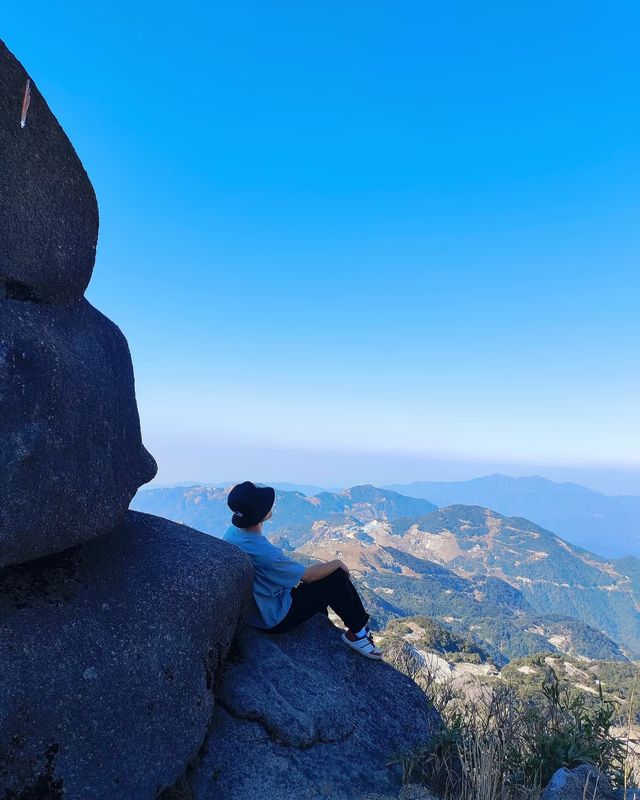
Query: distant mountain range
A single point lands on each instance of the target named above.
(604, 524)
(205, 507)
(511, 585)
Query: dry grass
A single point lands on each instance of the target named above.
(502, 746)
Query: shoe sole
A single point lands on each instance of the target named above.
(370, 656)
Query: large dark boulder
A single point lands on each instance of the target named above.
(48, 209)
(301, 715)
(71, 455)
(110, 653)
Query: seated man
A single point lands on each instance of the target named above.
(286, 593)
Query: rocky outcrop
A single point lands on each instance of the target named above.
(109, 655)
(300, 715)
(585, 782)
(582, 782)
(113, 626)
(72, 455)
(48, 209)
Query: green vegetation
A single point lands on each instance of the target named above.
(620, 680)
(629, 566)
(495, 613)
(510, 582)
(505, 742)
(614, 681)
(553, 576)
(438, 639)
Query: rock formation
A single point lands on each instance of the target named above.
(300, 715)
(109, 653)
(115, 625)
(111, 640)
(48, 210)
(72, 455)
(585, 781)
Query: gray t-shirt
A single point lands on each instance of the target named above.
(274, 575)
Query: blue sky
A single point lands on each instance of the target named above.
(382, 236)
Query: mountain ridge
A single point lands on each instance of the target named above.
(605, 524)
(552, 576)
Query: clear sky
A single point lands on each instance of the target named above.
(390, 234)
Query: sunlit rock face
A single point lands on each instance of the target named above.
(48, 209)
(71, 453)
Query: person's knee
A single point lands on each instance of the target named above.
(338, 575)
(339, 581)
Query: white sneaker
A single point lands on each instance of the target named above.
(363, 645)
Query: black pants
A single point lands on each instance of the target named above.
(335, 590)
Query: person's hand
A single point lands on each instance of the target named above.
(342, 565)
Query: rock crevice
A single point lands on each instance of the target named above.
(275, 734)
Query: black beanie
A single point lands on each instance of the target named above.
(250, 503)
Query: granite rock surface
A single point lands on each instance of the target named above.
(48, 209)
(585, 781)
(71, 453)
(110, 654)
(300, 715)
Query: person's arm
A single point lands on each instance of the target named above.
(317, 571)
(280, 568)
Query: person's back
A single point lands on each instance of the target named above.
(285, 593)
(274, 575)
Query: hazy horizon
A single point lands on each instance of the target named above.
(192, 463)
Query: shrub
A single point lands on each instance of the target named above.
(502, 745)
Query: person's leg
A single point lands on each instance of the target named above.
(344, 599)
(305, 603)
(335, 590)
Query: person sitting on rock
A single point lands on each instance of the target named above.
(286, 593)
